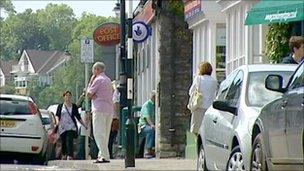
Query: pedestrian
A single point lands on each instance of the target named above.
(207, 86)
(115, 122)
(66, 115)
(296, 45)
(101, 93)
(146, 125)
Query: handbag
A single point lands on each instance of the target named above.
(196, 98)
(53, 136)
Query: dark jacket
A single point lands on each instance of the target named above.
(289, 60)
(75, 113)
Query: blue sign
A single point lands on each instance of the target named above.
(141, 31)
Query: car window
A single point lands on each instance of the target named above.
(234, 91)
(224, 86)
(46, 120)
(298, 78)
(14, 107)
(257, 94)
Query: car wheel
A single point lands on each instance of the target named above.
(258, 158)
(201, 161)
(236, 160)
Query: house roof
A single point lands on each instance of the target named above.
(43, 61)
(6, 66)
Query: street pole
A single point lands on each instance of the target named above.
(86, 78)
(123, 89)
(130, 125)
(123, 37)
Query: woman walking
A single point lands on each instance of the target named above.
(67, 128)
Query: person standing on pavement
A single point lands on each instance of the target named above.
(146, 125)
(101, 92)
(67, 127)
(115, 122)
(296, 45)
(207, 86)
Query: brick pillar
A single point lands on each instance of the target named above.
(175, 79)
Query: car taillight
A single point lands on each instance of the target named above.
(33, 108)
(35, 148)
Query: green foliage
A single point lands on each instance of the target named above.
(177, 7)
(8, 89)
(57, 21)
(7, 6)
(46, 29)
(21, 31)
(277, 40)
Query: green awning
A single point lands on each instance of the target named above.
(276, 11)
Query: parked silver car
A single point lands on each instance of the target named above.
(224, 140)
(278, 133)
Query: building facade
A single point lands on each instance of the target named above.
(244, 44)
(208, 24)
(5, 72)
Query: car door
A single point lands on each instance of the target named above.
(294, 100)
(212, 148)
(275, 131)
(224, 126)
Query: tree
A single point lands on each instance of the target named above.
(58, 21)
(7, 6)
(21, 31)
(8, 89)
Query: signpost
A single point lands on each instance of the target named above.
(87, 56)
(140, 31)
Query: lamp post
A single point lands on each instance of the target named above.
(130, 124)
(126, 80)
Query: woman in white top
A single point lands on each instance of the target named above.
(207, 86)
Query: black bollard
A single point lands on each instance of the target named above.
(130, 144)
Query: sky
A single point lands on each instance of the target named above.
(98, 7)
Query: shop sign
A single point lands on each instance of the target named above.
(107, 34)
(140, 31)
(192, 8)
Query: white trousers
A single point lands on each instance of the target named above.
(101, 130)
(196, 119)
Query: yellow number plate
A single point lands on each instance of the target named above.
(7, 124)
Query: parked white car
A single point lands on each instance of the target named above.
(224, 140)
(53, 108)
(22, 131)
(49, 122)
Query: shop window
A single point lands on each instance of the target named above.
(221, 52)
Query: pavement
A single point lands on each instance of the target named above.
(118, 164)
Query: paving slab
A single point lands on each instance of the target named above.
(118, 164)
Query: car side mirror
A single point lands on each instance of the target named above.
(274, 83)
(224, 106)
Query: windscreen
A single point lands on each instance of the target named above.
(14, 107)
(257, 94)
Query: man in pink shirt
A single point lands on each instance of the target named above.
(101, 92)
